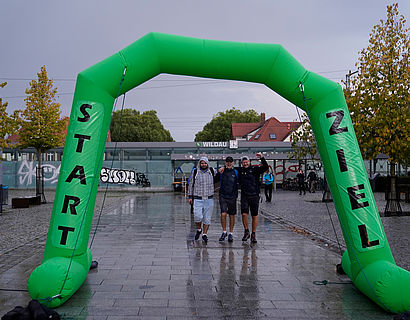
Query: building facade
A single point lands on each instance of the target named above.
(156, 165)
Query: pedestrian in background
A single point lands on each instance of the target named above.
(201, 193)
(268, 181)
(228, 194)
(312, 181)
(301, 181)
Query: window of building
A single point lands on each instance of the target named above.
(272, 136)
(257, 136)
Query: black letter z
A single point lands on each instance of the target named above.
(335, 126)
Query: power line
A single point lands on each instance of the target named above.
(333, 71)
(15, 97)
(157, 80)
(138, 88)
(196, 83)
(72, 79)
(27, 79)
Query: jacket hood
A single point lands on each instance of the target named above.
(203, 159)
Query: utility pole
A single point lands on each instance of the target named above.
(348, 78)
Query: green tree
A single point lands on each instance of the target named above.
(131, 125)
(219, 128)
(8, 124)
(303, 141)
(40, 124)
(378, 97)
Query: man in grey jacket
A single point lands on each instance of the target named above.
(201, 193)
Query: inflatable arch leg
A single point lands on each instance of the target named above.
(368, 260)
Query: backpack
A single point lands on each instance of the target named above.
(269, 179)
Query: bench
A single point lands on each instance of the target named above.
(25, 202)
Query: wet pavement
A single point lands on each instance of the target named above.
(150, 267)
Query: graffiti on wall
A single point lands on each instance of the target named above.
(130, 177)
(27, 173)
(292, 169)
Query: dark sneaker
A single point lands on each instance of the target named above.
(246, 235)
(230, 237)
(205, 238)
(223, 236)
(253, 238)
(197, 234)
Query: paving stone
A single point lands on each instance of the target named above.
(151, 268)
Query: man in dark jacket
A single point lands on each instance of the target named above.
(249, 181)
(228, 193)
(301, 182)
(312, 181)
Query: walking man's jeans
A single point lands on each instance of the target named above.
(203, 210)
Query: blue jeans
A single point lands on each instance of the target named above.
(203, 210)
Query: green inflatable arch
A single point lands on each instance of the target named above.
(368, 260)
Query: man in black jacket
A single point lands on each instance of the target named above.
(249, 181)
(228, 193)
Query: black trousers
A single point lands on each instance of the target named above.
(268, 192)
(302, 187)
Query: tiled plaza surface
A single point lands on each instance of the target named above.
(150, 267)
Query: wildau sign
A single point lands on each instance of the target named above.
(220, 144)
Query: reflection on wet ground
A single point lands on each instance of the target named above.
(151, 267)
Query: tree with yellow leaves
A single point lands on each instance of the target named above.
(379, 95)
(8, 124)
(41, 125)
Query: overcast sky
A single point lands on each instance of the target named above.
(70, 36)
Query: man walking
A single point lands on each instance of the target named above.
(201, 193)
(228, 193)
(249, 181)
(312, 181)
(301, 181)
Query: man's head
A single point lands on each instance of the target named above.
(246, 162)
(203, 163)
(229, 162)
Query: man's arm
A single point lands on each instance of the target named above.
(190, 187)
(217, 176)
(264, 165)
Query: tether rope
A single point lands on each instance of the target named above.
(112, 161)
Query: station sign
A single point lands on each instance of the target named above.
(233, 144)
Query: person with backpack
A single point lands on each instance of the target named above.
(228, 193)
(268, 181)
(201, 193)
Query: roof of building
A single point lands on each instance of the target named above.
(242, 129)
(269, 130)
